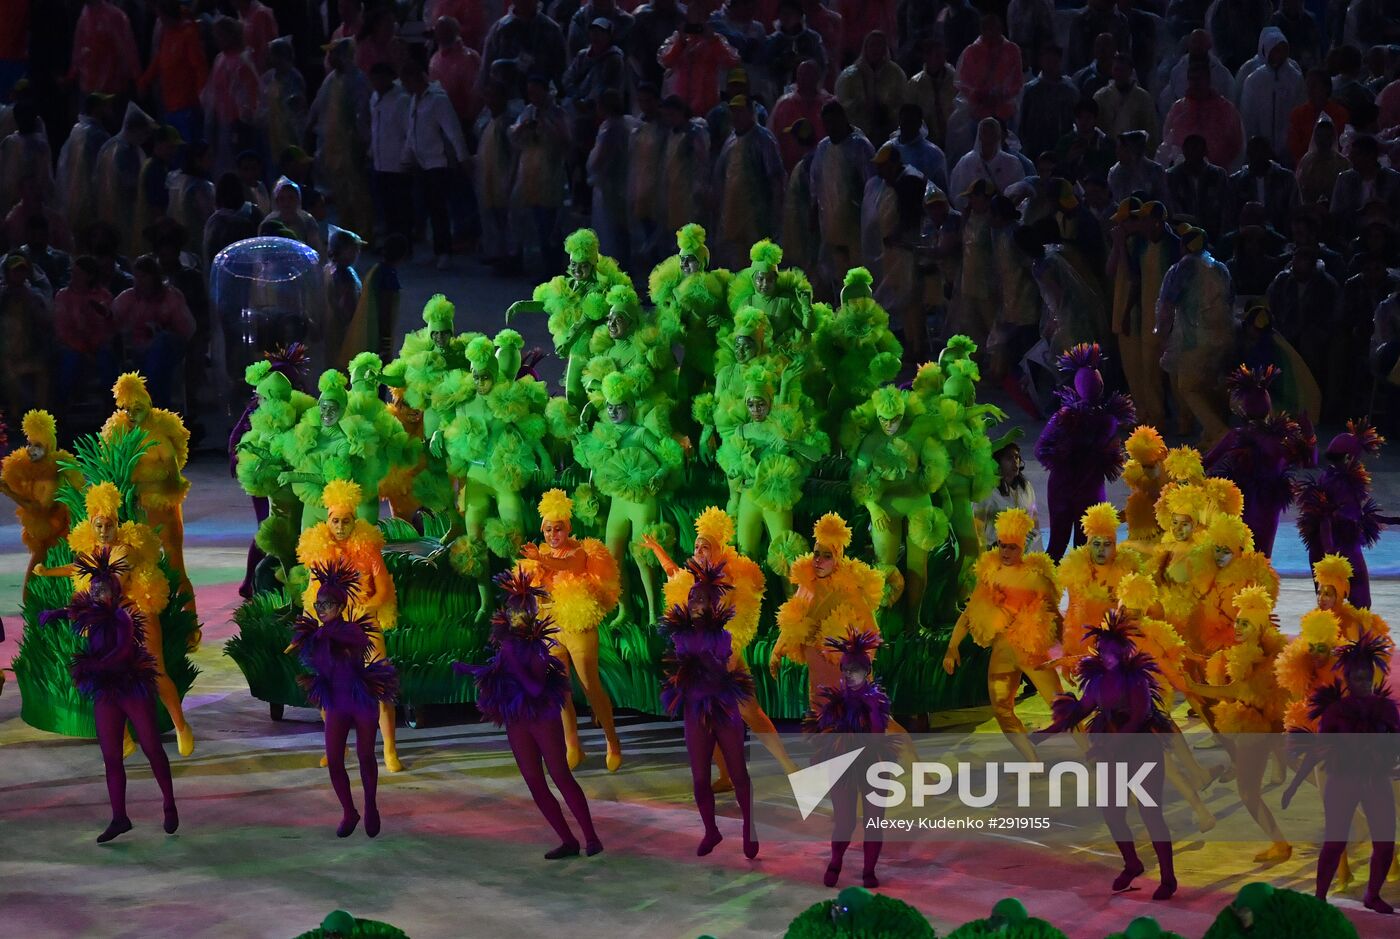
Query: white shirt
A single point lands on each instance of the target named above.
(434, 139)
(388, 121)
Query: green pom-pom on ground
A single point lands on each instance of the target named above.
(1261, 910)
(1009, 920)
(1145, 927)
(859, 914)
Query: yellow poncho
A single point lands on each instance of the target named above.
(578, 601)
(1019, 602)
(363, 551)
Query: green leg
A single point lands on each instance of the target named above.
(957, 492)
(777, 522)
(573, 380)
(643, 516)
(617, 534)
(748, 527)
(476, 508)
(732, 506)
(915, 582)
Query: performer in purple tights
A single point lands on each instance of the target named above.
(707, 693)
(1081, 446)
(1357, 775)
(119, 675)
(1121, 699)
(858, 705)
(1336, 514)
(292, 362)
(1260, 457)
(346, 684)
(523, 687)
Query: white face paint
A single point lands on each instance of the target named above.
(690, 264)
(765, 282)
(619, 413)
(1223, 556)
(759, 408)
(35, 452)
(1102, 549)
(581, 270)
(330, 412)
(1327, 597)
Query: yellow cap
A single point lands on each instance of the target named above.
(556, 506)
(1146, 446)
(1100, 521)
(1320, 628)
(103, 501)
(715, 526)
(1229, 531)
(1013, 525)
(831, 531)
(1254, 604)
(341, 495)
(1333, 571)
(1183, 464)
(40, 427)
(130, 391)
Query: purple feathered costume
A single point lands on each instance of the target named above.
(1080, 445)
(1121, 700)
(857, 705)
(706, 692)
(1336, 514)
(524, 686)
(117, 672)
(1358, 774)
(1260, 457)
(347, 685)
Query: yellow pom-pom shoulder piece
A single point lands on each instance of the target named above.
(1183, 465)
(556, 506)
(341, 495)
(1333, 571)
(130, 391)
(1137, 592)
(1013, 525)
(103, 501)
(1100, 521)
(715, 526)
(831, 531)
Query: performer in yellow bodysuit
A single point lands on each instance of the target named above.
(1145, 478)
(583, 584)
(834, 594)
(351, 540)
(714, 544)
(1014, 611)
(1091, 573)
(1332, 574)
(158, 477)
(143, 585)
(31, 477)
(1222, 565)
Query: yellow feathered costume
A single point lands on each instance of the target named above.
(1145, 478)
(743, 575)
(159, 481)
(1092, 587)
(1157, 638)
(1021, 602)
(43, 522)
(825, 607)
(1248, 667)
(578, 599)
(1335, 571)
(1305, 665)
(144, 585)
(1212, 622)
(362, 550)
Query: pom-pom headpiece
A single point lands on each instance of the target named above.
(341, 496)
(1229, 531)
(582, 245)
(1188, 501)
(130, 391)
(623, 298)
(857, 649)
(1100, 521)
(619, 389)
(832, 532)
(856, 285)
(103, 501)
(889, 403)
(715, 526)
(1254, 604)
(1360, 439)
(1183, 464)
(1320, 628)
(758, 383)
(1371, 650)
(556, 506)
(1249, 390)
(39, 427)
(690, 242)
(1333, 571)
(766, 256)
(366, 367)
(481, 356)
(439, 314)
(1083, 361)
(332, 386)
(336, 580)
(752, 322)
(1013, 525)
(1145, 444)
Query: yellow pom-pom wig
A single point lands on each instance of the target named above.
(715, 526)
(1100, 521)
(39, 427)
(1186, 500)
(1333, 571)
(130, 391)
(1183, 465)
(1137, 592)
(1320, 628)
(831, 531)
(1013, 525)
(103, 501)
(341, 495)
(1228, 531)
(1254, 604)
(1146, 446)
(1223, 496)
(556, 506)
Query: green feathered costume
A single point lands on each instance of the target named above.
(856, 913)
(766, 459)
(786, 298)
(263, 457)
(633, 463)
(576, 305)
(642, 349)
(428, 356)
(681, 287)
(898, 469)
(855, 347)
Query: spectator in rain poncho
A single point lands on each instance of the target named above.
(934, 90)
(989, 73)
(1269, 93)
(1202, 110)
(608, 176)
(1233, 24)
(77, 162)
(118, 176)
(749, 180)
(840, 168)
(976, 312)
(911, 140)
(24, 154)
(1198, 50)
(1047, 105)
(540, 136)
(494, 168)
(1125, 105)
(192, 196)
(178, 67)
(872, 88)
(988, 161)
(152, 190)
(685, 166)
(282, 102)
(104, 50)
(457, 68)
(259, 29)
(154, 324)
(1074, 310)
(799, 219)
(287, 210)
(230, 96)
(805, 100)
(340, 118)
(1195, 320)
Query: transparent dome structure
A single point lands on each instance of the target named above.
(267, 293)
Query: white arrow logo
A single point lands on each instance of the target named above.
(810, 785)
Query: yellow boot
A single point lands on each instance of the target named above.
(184, 740)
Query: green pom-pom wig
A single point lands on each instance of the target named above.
(582, 245)
(766, 256)
(439, 314)
(690, 242)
